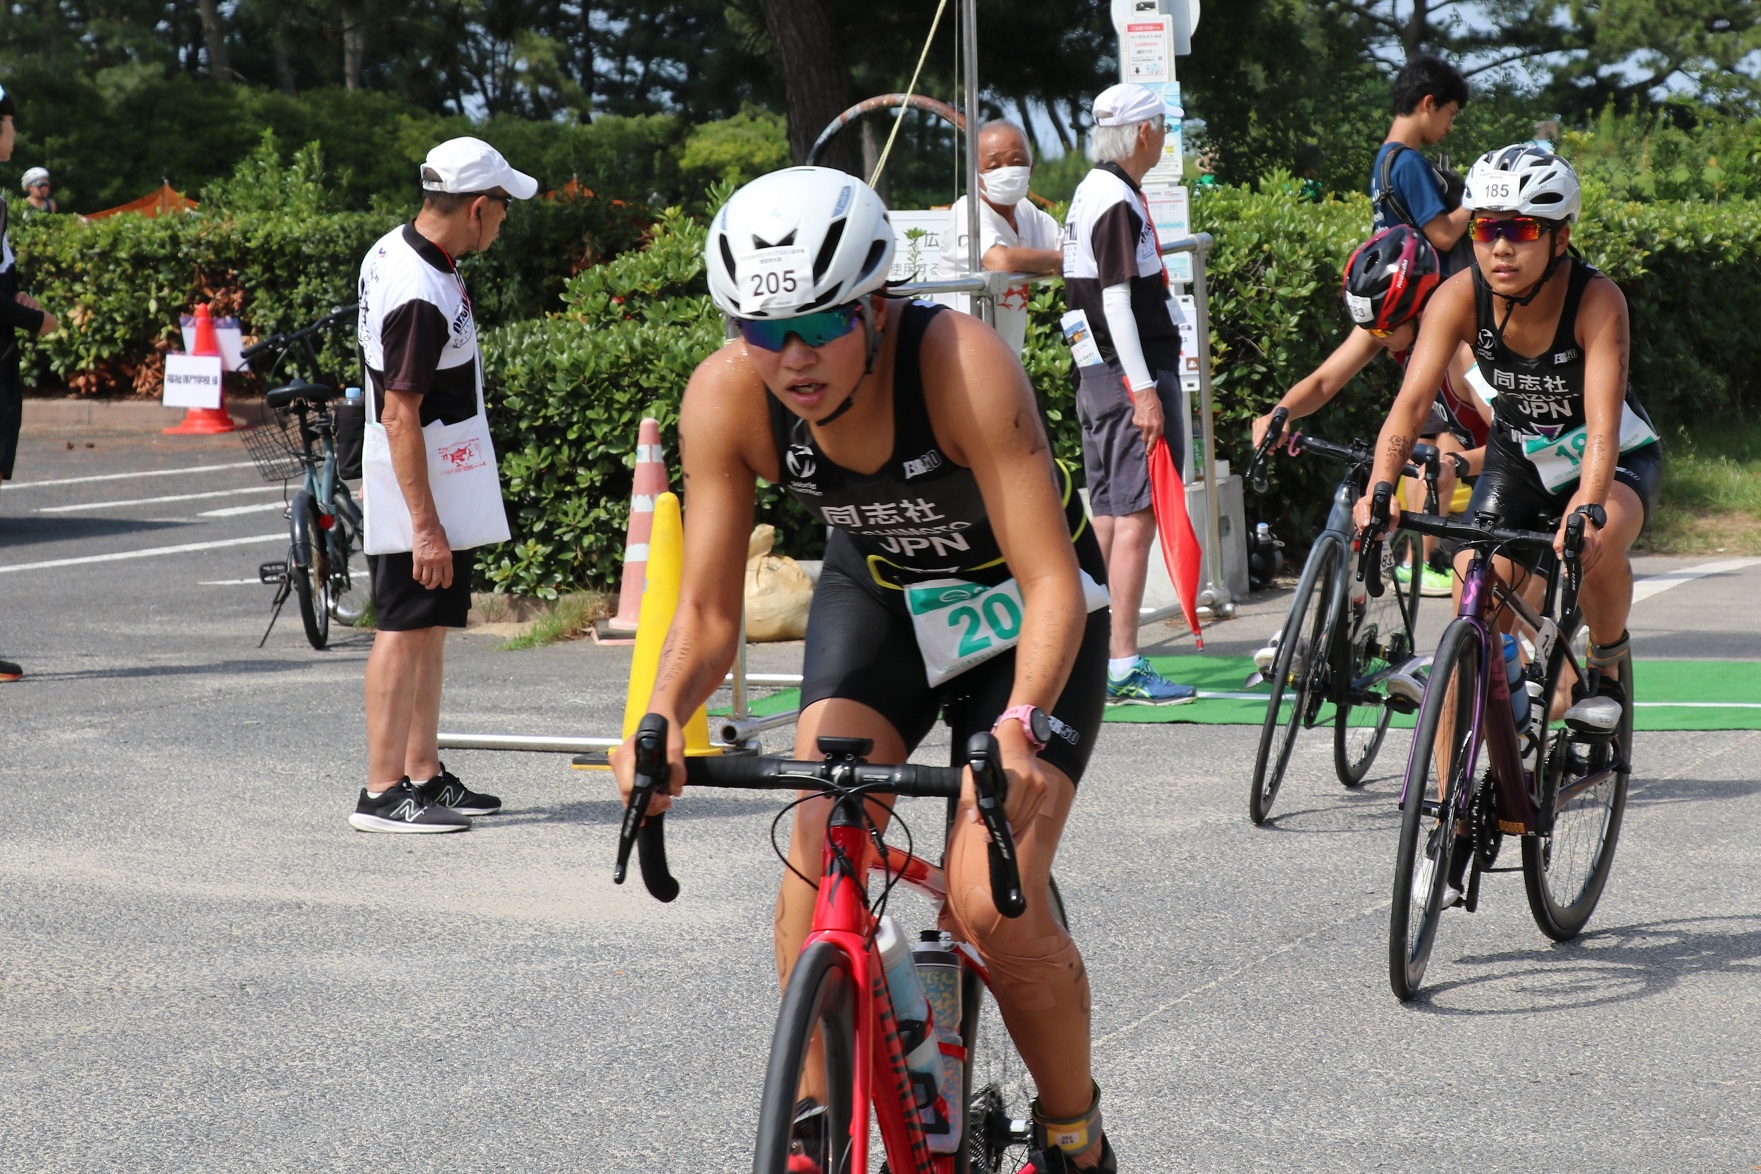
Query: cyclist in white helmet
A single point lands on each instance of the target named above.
(1551, 337)
(914, 434)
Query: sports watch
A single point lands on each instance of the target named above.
(1596, 514)
(1459, 463)
(1035, 725)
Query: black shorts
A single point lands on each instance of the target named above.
(1511, 490)
(1114, 460)
(403, 605)
(861, 647)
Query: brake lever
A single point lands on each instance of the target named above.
(1256, 472)
(1369, 567)
(651, 773)
(990, 788)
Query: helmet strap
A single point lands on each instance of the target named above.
(1511, 302)
(872, 338)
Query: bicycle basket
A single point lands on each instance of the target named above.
(275, 446)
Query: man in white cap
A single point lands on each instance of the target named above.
(423, 380)
(1130, 394)
(37, 199)
(1013, 235)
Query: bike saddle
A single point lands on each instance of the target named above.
(299, 389)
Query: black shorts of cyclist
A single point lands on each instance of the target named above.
(1511, 490)
(861, 647)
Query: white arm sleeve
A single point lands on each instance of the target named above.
(1116, 301)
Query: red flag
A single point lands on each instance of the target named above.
(1180, 548)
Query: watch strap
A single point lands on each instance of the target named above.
(1024, 715)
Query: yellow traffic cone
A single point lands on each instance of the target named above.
(660, 599)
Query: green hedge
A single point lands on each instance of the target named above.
(570, 390)
(119, 284)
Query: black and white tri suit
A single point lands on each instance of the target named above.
(921, 517)
(1538, 404)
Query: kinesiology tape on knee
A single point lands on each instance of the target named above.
(1073, 1137)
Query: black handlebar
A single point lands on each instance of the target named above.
(1256, 472)
(836, 773)
(283, 341)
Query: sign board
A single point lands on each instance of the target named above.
(1182, 16)
(1170, 208)
(1184, 309)
(192, 381)
(1148, 48)
(917, 245)
(227, 332)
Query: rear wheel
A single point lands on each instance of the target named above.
(1379, 640)
(821, 998)
(1297, 677)
(1564, 872)
(1437, 777)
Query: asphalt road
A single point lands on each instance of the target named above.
(203, 968)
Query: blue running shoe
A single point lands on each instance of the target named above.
(1143, 685)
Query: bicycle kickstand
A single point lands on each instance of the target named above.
(281, 594)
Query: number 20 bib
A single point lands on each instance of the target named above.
(961, 624)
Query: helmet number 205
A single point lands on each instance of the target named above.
(773, 278)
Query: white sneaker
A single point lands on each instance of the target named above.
(1407, 683)
(1263, 659)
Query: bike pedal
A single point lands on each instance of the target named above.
(272, 573)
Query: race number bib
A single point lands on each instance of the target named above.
(1497, 188)
(1559, 459)
(773, 277)
(961, 624)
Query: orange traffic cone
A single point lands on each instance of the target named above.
(650, 483)
(201, 421)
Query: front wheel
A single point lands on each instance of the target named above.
(812, 1055)
(1297, 672)
(1564, 872)
(1438, 775)
(1379, 640)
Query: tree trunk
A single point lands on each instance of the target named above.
(1417, 25)
(284, 70)
(816, 82)
(214, 33)
(354, 46)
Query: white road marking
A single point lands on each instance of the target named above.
(148, 553)
(15, 486)
(98, 505)
(257, 582)
(235, 510)
(1656, 584)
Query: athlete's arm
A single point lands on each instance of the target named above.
(1448, 321)
(1315, 390)
(723, 429)
(1603, 333)
(983, 412)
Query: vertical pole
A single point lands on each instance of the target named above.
(969, 23)
(1216, 586)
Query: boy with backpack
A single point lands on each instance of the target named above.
(1407, 188)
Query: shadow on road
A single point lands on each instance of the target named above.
(1599, 968)
(29, 531)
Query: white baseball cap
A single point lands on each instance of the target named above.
(472, 165)
(1125, 103)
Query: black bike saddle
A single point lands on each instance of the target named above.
(299, 389)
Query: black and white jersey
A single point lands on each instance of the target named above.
(416, 331)
(1109, 240)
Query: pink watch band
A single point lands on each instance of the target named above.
(1023, 714)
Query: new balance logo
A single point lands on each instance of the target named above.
(409, 811)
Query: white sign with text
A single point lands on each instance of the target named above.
(192, 381)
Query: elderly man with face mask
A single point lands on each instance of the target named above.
(1013, 235)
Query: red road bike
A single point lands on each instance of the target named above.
(838, 989)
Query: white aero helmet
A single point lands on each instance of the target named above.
(796, 241)
(35, 175)
(1525, 180)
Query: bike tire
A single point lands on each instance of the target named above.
(1379, 639)
(347, 603)
(820, 999)
(1565, 871)
(1295, 676)
(1428, 840)
(312, 583)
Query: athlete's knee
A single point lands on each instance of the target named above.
(1033, 963)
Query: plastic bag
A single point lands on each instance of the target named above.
(778, 592)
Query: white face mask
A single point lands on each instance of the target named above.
(1005, 185)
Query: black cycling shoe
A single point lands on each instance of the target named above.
(1056, 1161)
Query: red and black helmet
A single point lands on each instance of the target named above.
(1390, 278)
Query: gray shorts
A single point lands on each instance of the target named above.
(1114, 459)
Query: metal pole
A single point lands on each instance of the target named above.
(1216, 586)
(969, 23)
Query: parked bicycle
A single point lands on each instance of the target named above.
(1339, 644)
(840, 1032)
(324, 522)
(1556, 780)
